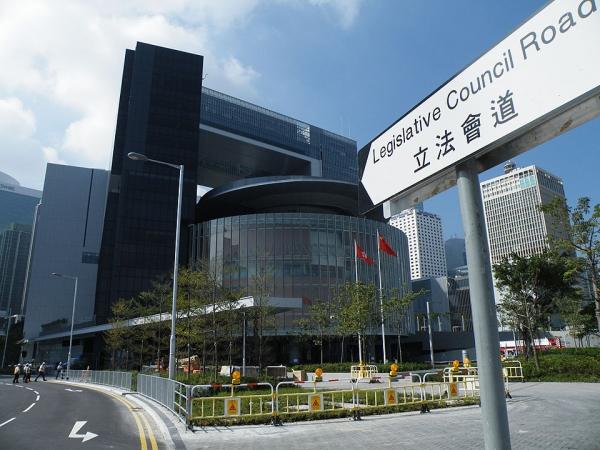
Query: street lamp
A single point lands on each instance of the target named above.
(8, 320)
(141, 157)
(72, 316)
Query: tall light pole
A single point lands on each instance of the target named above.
(8, 320)
(72, 316)
(141, 157)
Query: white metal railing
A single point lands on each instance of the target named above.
(173, 395)
(120, 380)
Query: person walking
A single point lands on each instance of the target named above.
(16, 373)
(59, 369)
(41, 372)
(27, 376)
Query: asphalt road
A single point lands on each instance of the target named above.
(44, 414)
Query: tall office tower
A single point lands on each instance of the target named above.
(14, 250)
(17, 203)
(456, 254)
(159, 116)
(425, 242)
(511, 203)
(66, 240)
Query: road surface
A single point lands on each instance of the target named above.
(58, 415)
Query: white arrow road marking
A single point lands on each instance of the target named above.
(73, 390)
(29, 407)
(78, 426)
(4, 423)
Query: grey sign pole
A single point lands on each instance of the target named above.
(487, 342)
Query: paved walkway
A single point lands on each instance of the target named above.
(542, 416)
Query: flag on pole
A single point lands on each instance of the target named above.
(360, 253)
(385, 247)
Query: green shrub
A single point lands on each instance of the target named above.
(567, 364)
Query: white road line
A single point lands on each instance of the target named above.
(16, 385)
(8, 384)
(9, 420)
(29, 388)
(37, 392)
(29, 407)
(37, 399)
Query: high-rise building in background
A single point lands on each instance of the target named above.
(66, 240)
(456, 254)
(14, 251)
(17, 203)
(425, 242)
(17, 211)
(513, 219)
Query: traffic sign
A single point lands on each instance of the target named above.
(315, 402)
(232, 406)
(548, 66)
(391, 397)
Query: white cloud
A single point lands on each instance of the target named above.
(69, 55)
(51, 155)
(15, 120)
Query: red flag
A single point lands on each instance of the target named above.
(360, 253)
(385, 247)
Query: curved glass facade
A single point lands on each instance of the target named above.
(305, 256)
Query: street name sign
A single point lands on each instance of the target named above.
(546, 67)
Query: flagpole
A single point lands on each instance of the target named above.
(381, 299)
(356, 277)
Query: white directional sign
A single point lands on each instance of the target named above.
(548, 65)
(78, 426)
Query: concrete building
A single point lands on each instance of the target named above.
(425, 242)
(67, 241)
(511, 203)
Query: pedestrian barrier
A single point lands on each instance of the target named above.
(201, 402)
(363, 372)
(120, 380)
(311, 401)
(514, 370)
(173, 395)
(232, 406)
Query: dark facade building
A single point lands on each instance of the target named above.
(166, 114)
(159, 116)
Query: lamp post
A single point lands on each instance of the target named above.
(141, 157)
(8, 320)
(72, 316)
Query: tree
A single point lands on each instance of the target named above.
(117, 336)
(531, 288)
(316, 324)
(357, 310)
(581, 321)
(395, 308)
(261, 314)
(579, 232)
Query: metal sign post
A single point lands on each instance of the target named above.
(485, 328)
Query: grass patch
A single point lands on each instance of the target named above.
(564, 365)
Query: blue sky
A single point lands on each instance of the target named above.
(350, 66)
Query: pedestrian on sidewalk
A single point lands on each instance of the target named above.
(59, 369)
(27, 376)
(16, 372)
(41, 371)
